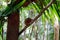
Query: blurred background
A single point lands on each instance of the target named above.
(46, 27)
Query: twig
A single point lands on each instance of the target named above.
(45, 8)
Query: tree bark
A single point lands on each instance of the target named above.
(13, 26)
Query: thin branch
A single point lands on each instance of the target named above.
(42, 11)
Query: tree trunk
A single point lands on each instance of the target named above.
(13, 26)
(56, 31)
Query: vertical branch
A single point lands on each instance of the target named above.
(56, 31)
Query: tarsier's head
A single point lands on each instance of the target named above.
(27, 21)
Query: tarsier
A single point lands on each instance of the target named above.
(27, 21)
